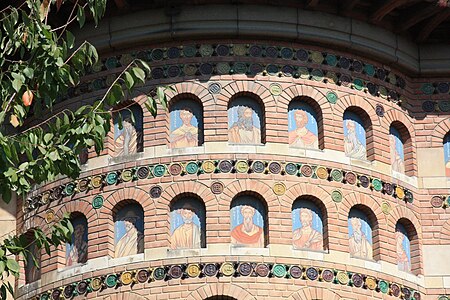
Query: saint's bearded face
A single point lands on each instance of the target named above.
(247, 119)
(187, 216)
(305, 217)
(248, 214)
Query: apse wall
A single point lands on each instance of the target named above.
(280, 170)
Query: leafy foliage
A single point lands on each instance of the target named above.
(38, 63)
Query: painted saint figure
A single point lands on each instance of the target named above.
(397, 162)
(32, 271)
(187, 235)
(132, 241)
(301, 137)
(352, 145)
(126, 140)
(403, 261)
(248, 234)
(187, 134)
(243, 131)
(307, 237)
(77, 250)
(358, 242)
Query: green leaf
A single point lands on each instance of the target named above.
(145, 65)
(81, 18)
(161, 97)
(12, 265)
(2, 266)
(139, 73)
(48, 137)
(119, 121)
(70, 39)
(17, 84)
(129, 81)
(115, 95)
(29, 72)
(151, 105)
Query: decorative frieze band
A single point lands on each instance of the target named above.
(196, 167)
(230, 269)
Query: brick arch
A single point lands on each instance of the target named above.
(355, 102)
(310, 293)
(317, 100)
(125, 296)
(176, 191)
(258, 91)
(439, 133)
(192, 89)
(78, 206)
(400, 212)
(330, 221)
(263, 192)
(350, 100)
(399, 121)
(81, 208)
(320, 198)
(197, 188)
(106, 214)
(220, 289)
(254, 186)
(413, 227)
(372, 208)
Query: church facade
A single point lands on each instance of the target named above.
(304, 154)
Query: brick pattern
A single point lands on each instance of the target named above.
(425, 225)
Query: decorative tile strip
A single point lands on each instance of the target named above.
(229, 166)
(229, 269)
(440, 201)
(287, 61)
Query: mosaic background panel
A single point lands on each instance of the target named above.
(403, 246)
(77, 249)
(129, 231)
(354, 136)
(186, 124)
(302, 122)
(244, 122)
(307, 226)
(360, 235)
(247, 222)
(397, 150)
(128, 139)
(187, 224)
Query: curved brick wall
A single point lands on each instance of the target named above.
(217, 172)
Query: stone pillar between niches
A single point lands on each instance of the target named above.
(430, 163)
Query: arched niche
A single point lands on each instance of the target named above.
(397, 150)
(128, 131)
(357, 133)
(401, 149)
(245, 121)
(32, 259)
(129, 230)
(305, 124)
(407, 246)
(308, 224)
(187, 223)
(360, 234)
(186, 123)
(447, 154)
(248, 221)
(77, 249)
